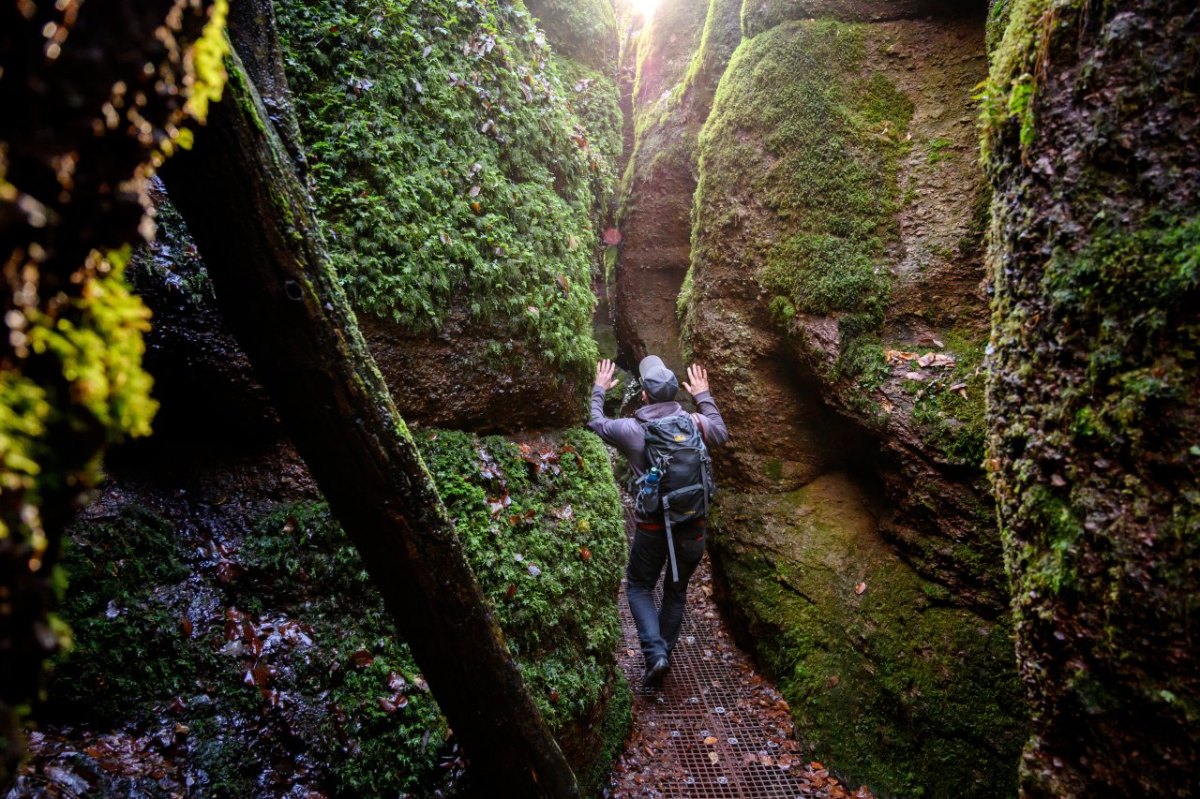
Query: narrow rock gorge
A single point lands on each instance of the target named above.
(836, 290)
(941, 259)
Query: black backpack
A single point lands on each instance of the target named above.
(678, 479)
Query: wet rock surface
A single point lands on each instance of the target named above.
(890, 679)
(229, 642)
(1094, 387)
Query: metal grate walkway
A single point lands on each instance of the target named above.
(716, 728)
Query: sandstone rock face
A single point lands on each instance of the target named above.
(839, 226)
(1091, 121)
(889, 679)
(465, 378)
(681, 54)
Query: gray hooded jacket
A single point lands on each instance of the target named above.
(626, 434)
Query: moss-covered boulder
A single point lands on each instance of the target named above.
(839, 227)
(681, 54)
(1090, 124)
(837, 296)
(457, 187)
(891, 681)
(225, 626)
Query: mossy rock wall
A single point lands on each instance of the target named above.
(837, 295)
(890, 681)
(1094, 396)
(224, 623)
(581, 30)
(839, 224)
(459, 185)
(654, 218)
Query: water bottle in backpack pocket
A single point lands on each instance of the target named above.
(678, 481)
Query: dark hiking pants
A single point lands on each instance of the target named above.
(658, 629)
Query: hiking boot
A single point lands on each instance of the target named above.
(655, 672)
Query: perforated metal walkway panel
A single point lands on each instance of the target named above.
(715, 729)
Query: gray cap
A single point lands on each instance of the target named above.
(658, 381)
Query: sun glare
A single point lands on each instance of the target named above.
(644, 8)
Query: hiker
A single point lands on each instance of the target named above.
(670, 523)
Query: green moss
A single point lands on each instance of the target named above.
(950, 407)
(937, 150)
(804, 130)
(997, 22)
(560, 619)
(450, 169)
(1136, 367)
(1010, 91)
(158, 619)
(887, 678)
(581, 30)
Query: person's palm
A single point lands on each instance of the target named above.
(697, 380)
(604, 374)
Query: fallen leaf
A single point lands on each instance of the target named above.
(860, 589)
(714, 757)
(710, 740)
(477, 208)
(894, 356)
(585, 553)
(563, 284)
(362, 658)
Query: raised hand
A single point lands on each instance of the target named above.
(604, 374)
(697, 380)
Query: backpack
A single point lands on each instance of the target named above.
(678, 479)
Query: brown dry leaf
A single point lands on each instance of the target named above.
(563, 284)
(476, 207)
(362, 658)
(585, 553)
(290, 524)
(895, 356)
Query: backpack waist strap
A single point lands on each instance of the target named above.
(658, 527)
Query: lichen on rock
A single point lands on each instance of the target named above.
(1093, 386)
